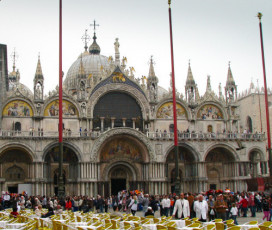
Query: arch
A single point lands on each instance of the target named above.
(123, 148)
(14, 174)
(16, 145)
(184, 110)
(70, 109)
(18, 107)
(228, 148)
(140, 137)
(213, 175)
(134, 171)
(165, 111)
(190, 148)
(211, 111)
(249, 124)
(118, 105)
(74, 148)
(257, 150)
(118, 87)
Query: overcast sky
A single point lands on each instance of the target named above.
(208, 32)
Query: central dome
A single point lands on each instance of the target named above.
(92, 62)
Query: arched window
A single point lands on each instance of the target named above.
(17, 126)
(249, 124)
(117, 107)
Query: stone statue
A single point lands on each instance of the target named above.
(116, 45)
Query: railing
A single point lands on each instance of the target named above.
(45, 134)
(204, 136)
(150, 135)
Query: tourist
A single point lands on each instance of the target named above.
(58, 210)
(244, 204)
(181, 207)
(234, 213)
(211, 211)
(149, 212)
(116, 213)
(220, 207)
(165, 203)
(252, 205)
(68, 204)
(49, 213)
(265, 209)
(14, 212)
(145, 203)
(133, 205)
(38, 211)
(201, 209)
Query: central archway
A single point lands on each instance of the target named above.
(119, 177)
(122, 160)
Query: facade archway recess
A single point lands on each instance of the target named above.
(15, 169)
(70, 170)
(117, 109)
(123, 161)
(221, 169)
(188, 169)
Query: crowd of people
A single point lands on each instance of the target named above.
(205, 206)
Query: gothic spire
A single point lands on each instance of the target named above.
(230, 79)
(39, 68)
(190, 79)
(81, 71)
(208, 87)
(151, 68)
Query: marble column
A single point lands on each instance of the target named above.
(134, 122)
(124, 122)
(102, 123)
(112, 122)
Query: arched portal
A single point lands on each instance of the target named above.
(15, 165)
(123, 160)
(220, 163)
(119, 178)
(187, 168)
(70, 170)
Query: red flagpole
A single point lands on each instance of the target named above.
(266, 97)
(177, 180)
(60, 181)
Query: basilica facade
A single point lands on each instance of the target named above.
(118, 132)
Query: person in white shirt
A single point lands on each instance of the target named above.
(201, 208)
(234, 213)
(182, 206)
(165, 205)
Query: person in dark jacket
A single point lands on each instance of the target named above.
(149, 212)
(49, 213)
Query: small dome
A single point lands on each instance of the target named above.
(22, 88)
(161, 92)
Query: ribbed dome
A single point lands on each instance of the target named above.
(92, 65)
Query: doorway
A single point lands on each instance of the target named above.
(17, 126)
(118, 185)
(13, 189)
